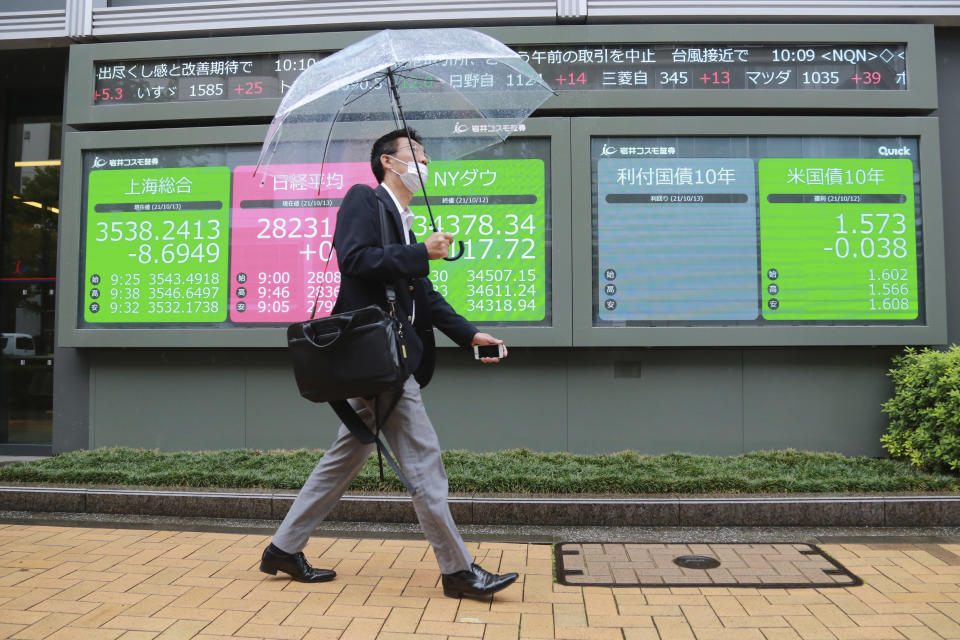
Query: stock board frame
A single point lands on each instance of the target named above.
(920, 95)
(926, 129)
(71, 334)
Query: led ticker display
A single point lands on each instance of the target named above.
(843, 66)
(192, 236)
(757, 230)
(721, 66)
(237, 77)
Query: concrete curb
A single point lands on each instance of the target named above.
(828, 511)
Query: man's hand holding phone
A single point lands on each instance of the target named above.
(488, 349)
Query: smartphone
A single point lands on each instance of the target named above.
(487, 351)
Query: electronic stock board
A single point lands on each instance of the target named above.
(794, 232)
(184, 236)
(780, 231)
(216, 242)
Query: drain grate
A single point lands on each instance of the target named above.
(678, 564)
(696, 562)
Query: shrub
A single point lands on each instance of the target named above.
(925, 409)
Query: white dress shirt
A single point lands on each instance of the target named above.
(406, 217)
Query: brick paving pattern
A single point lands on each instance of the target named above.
(740, 565)
(91, 584)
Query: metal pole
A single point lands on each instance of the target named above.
(423, 187)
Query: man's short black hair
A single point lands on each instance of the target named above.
(387, 144)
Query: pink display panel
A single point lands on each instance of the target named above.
(282, 236)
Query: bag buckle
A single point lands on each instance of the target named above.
(399, 326)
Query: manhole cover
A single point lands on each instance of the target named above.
(683, 564)
(696, 562)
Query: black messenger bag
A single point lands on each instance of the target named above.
(357, 354)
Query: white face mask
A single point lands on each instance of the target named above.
(410, 179)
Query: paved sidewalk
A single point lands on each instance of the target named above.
(91, 583)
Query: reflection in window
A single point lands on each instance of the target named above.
(29, 212)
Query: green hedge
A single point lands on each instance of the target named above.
(925, 409)
(515, 471)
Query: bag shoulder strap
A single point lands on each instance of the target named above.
(360, 430)
(391, 291)
(351, 420)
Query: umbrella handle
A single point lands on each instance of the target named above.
(459, 252)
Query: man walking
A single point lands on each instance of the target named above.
(400, 165)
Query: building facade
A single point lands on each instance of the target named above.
(713, 238)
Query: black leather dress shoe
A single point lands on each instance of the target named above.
(295, 564)
(475, 581)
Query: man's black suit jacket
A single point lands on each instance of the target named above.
(366, 265)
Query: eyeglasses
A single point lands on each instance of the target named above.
(418, 151)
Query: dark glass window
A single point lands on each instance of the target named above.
(28, 268)
(31, 109)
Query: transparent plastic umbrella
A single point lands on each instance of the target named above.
(460, 89)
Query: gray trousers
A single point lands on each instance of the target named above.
(414, 443)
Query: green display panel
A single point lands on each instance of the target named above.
(838, 239)
(757, 230)
(157, 245)
(497, 208)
